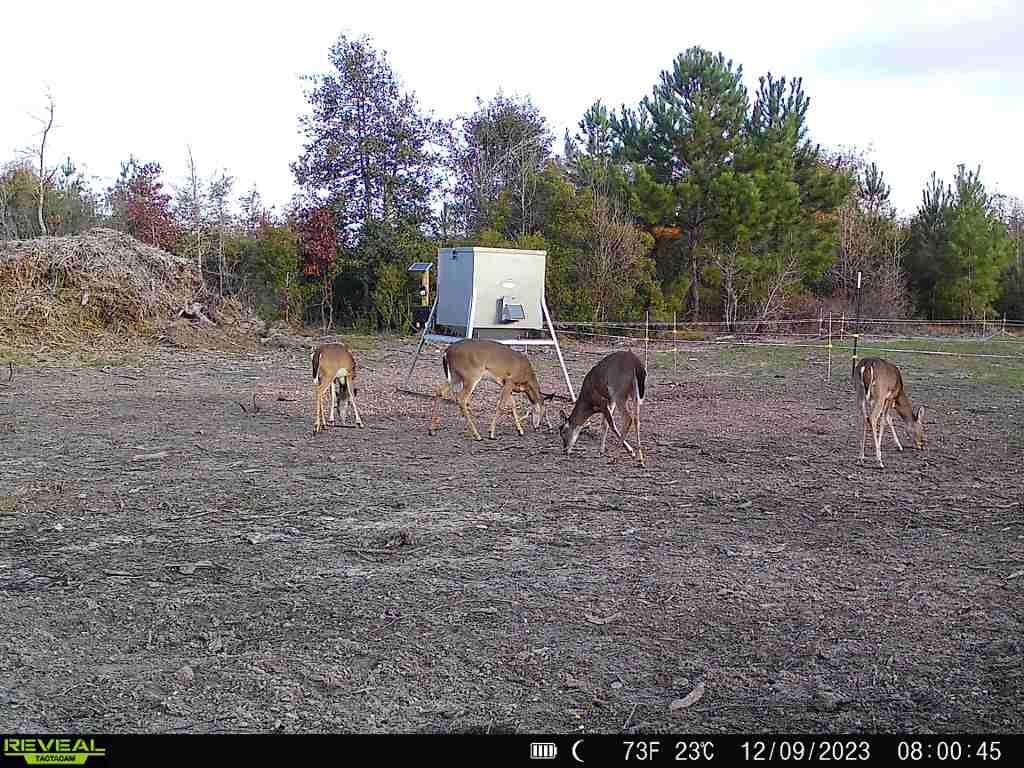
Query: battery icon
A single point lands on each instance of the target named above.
(543, 750)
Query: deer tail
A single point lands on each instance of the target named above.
(641, 383)
(316, 367)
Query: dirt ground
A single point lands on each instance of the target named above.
(172, 562)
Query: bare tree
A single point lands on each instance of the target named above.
(44, 177)
(779, 284)
(612, 267)
(726, 258)
(872, 243)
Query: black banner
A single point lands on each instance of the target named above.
(581, 749)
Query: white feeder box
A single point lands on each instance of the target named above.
(490, 293)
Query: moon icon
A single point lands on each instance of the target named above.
(575, 746)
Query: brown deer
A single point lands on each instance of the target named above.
(466, 363)
(879, 388)
(333, 364)
(616, 381)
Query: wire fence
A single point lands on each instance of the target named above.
(836, 336)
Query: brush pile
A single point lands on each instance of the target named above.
(104, 283)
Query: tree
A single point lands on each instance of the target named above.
(138, 205)
(959, 248)
(219, 190)
(44, 175)
(728, 185)
(189, 208)
(367, 149)
(688, 133)
(318, 247)
(255, 216)
(928, 243)
(271, 263)
(872, 242)
(498, 153)
(979, 249)
(615, 260)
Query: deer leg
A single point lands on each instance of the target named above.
(506, 394)
(892, 428)
(463, 400)
(334, 400)
(321, 421)
(604, 432)
(877, 430)
(351, 390)
(440, 392)
(515, 415)
(611, 423)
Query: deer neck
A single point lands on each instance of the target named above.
(581, 412)
(532, 391)
(904, 407)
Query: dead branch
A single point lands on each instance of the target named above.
(119, 375)
(255, 408)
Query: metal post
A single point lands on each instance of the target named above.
(856, 336)
(647, 334)
(558, 349)
(829, 346)
(675, 348)
(423, 338)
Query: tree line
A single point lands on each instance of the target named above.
(703, 200)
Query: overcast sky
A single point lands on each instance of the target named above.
(923, 87)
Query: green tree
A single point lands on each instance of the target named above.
(367, 147)
(929, 242)
(979, 250)
(733, 190)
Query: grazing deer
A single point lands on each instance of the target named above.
(617, 380)
(467, 362)
(333, 364)
(879, 387)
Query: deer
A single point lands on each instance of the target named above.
(879, 389)
(334, 368)
(615, 382)
(467, 362)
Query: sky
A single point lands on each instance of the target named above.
(921, 86)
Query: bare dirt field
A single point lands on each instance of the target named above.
(172, 562)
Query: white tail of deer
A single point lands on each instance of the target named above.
(333, 364)
(466, 363)
(615, 382)
(878, 385)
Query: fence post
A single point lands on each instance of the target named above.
(675, 349)
(829, 347)
(647, 334)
